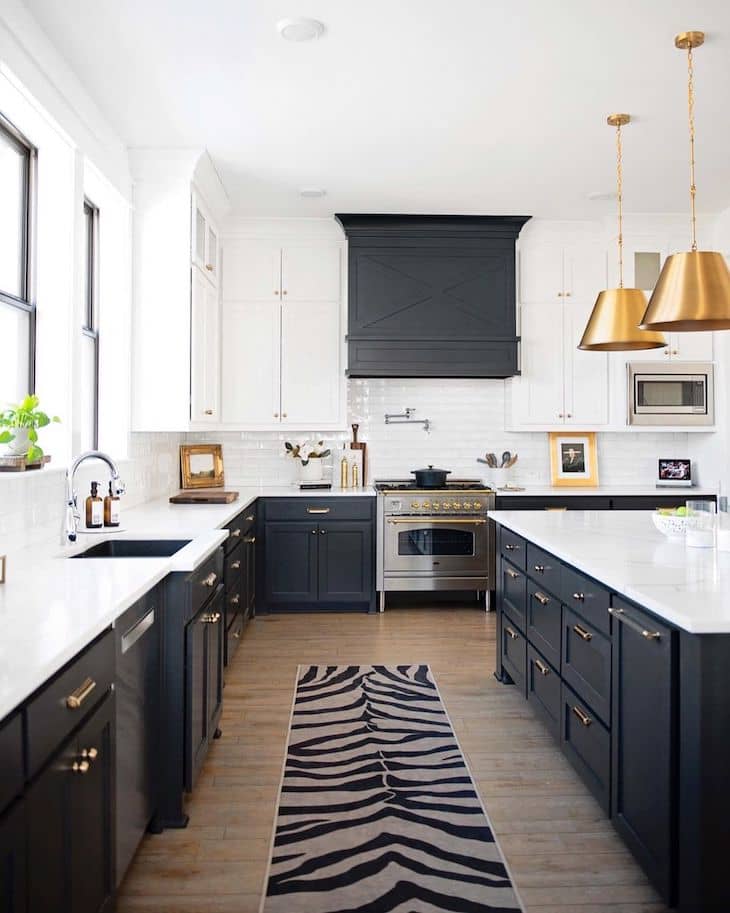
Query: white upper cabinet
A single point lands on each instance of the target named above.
(559, 385)
(283, 344)
(205, 366)
(204, 246)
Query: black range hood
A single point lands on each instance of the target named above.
(431, 296)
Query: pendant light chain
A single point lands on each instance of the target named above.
(620, 197)
(691, 112)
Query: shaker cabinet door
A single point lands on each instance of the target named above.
(13, 859)
(291, 562)
(310, 272)
(204, 351)
(345, 562)
(251, 362)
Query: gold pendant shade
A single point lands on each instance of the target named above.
(614, 322)
(693, 291)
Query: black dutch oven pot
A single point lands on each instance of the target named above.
(431, 478)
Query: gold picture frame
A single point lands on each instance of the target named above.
(201, 466)
(573, 459)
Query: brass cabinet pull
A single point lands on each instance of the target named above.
(249, 540)
(211, 619)
(513, 574)
(620, 615)
(559, 509)
(210, 580)
(235, 566)
(91, 753)
(511, 633)
(235, 599)
(511, 548)
(237, 635)
(236, 533)
(80, 767)
(250, 519)
(318, 510)
(583, 717)
(579, 596)
(77, 697)
(323, 532)
(541, 598)
(582, 633)
(544, 670)
(540, 568)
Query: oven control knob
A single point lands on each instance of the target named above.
(447, 505)
(436, 505)
(415, 504)
(457, 505)
(468, 505)
(476, 505)
(426, 505)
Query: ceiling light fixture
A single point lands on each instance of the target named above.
(693, 291)
(300, 29)
(613, 324)
(312, 192)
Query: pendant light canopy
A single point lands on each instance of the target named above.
(614, 322)
(693, 291)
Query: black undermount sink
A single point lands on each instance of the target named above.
(134, 548)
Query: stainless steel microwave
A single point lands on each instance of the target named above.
(679, 393)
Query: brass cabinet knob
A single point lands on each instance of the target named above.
(314, 532)
(235, 566)
(540, 568)
(210, 580)
(323, 532)
(208, 411)
(209, 267)
(80, 767)
(560, 415)
(276, 415)
(283, 415)
(236, 532)
(250, 540)
(560, 294)
(569, 415)
(235, 599)
(276, 291)
(285, 292)
(91, 753)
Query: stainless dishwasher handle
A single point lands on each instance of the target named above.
(621, 616)
(137, 630)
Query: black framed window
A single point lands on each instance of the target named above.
(89, 416)
(17, 304)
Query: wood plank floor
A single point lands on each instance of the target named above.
(563, 854)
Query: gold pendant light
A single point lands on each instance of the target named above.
(614, 322)
(693, 291)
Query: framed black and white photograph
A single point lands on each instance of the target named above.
(573, 459)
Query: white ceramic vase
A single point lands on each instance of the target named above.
(311, 471)
(20, 444)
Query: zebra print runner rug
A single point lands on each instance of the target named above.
(378, 811)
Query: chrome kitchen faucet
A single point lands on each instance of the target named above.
(71, 515)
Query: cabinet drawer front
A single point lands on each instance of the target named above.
(544, 569)
(513, 547)
(344, 508)
(587, 598)
(543, 690)
(586, 743)
(514, 592)
(587, 663)
(233, 565)
(544, 622)
(241, 526)
(11, 760)
(233, 636)
(65, 701)
(205, 580)
(514, 652)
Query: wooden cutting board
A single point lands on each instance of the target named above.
(204, 496)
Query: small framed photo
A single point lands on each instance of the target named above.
(573, 459)
(201, 465)
(675, 473)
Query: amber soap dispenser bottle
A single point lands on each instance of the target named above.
(94, 508)
(111, 508)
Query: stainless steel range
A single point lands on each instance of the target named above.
(435, 539)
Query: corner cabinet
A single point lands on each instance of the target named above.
(176, 314)
(559, 386)
(283, 351)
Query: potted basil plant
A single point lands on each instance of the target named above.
(310, 456)
(20, 423)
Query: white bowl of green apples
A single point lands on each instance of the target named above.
(671, 521)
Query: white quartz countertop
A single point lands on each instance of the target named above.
(606, 491)
(51, 607)
(688, 587)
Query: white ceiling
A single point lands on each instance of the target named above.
(467, 106)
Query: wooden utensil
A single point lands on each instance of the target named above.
(506, 457)
(360, 445)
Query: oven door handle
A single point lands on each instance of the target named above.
(427, 521)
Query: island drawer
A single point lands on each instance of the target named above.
(11, 760)
(343, 508)
(544, 569)
(514, 592)
(513, 547)
(64, 701)
(587, 663)
(233, 635)
(543, 690)
(587, 598)
(204, 581)
(240, 527)
(544, 622)
(514, 653)
(586, 742)
(232, 566)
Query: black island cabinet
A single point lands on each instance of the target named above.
(639, 707)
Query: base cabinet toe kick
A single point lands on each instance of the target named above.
(639, 707)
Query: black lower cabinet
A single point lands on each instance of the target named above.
(345, 562)
(644, 659)
(291, 563)
(587, 743)
(203, 684)
(13, 859)
(70, 818)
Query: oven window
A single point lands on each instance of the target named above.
(435, 541)
(671, 394)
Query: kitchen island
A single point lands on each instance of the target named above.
(619, 639)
